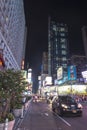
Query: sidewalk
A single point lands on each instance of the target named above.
(38, 117)
(19, 119)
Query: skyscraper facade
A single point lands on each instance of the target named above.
(12, 32)
(58, 50)
(44, 69)
(80, 62)
(84, 36)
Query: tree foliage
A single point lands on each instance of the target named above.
(12, 85)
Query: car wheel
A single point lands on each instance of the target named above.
(81, 115)
(60, 113)
(56, 111)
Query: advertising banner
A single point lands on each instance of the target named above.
(84, 75)
(48, 80)
(60, 73)
(72, 72)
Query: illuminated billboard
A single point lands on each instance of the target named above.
(48, 80)
(72, 72)
(84, 75)
(60, 73)
(30, 75)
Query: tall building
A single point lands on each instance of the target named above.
(44, 69)
(80, 62)
(12, 32)
(58, 50)
(84, 36)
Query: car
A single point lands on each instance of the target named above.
(66, 105)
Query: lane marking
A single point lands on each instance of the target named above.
(62, 119)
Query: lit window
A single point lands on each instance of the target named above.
(63, 46)
(63, 52)
(64, 65)
(62, 29)
(64, 59)
(54, 27)
(62, 34)
(62, 40)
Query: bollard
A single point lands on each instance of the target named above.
(6, 124)
(22, 113)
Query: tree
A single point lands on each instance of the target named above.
(12, 85)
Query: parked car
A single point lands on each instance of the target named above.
(66, 105)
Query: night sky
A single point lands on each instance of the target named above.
(73, 13)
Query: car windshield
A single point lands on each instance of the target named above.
(67, 99)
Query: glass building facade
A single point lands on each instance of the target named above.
(12, 32)
(58, 50)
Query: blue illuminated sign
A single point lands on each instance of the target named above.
(72, 72)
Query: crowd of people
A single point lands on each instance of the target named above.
(77, 97)
(80, 98)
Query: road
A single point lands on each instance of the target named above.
(40, 117)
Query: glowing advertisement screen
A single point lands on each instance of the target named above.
(72, 73)
(60, 73)
(84, 75)
(48, 80)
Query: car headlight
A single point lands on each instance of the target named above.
(65, 106)
(79, 105)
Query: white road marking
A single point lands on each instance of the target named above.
(62, 119)
(46, 114)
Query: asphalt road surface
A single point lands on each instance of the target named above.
(39, 116)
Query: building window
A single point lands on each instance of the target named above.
(63, 58)
(54, 27)
(63, 52)
(62, 29)
(63, 46)
(62, 40)
(62, 34)
(64, 65)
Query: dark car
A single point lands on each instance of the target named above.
(66, 105)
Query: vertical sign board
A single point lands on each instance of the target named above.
(60, 73)
(72, 72)
(48, 80)
(84, 75)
